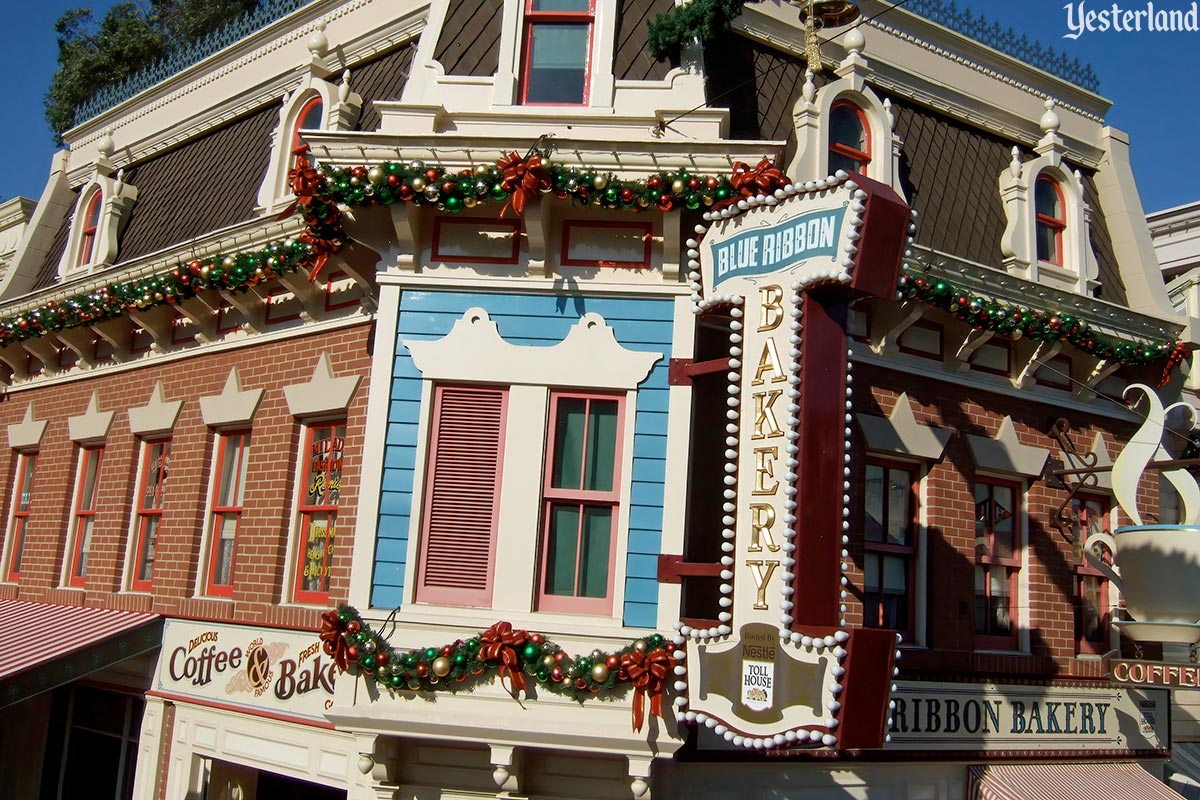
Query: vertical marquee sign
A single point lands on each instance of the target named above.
(782, 670)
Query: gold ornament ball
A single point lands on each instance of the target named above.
(548, 662)
(677, 186)
(204, 271)
(374, 174)
(470, 202)
(441, 666)
(418, 184)
(228, 262)
(640, 645)
(600, 181)
(482, 169)
(600, 673)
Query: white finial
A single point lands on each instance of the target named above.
(887, 112)
(318, 44)
(120, 179)
(344, 88)
(809, 90)
(1014, 166)
(854, 41)
(1050, 120)
(105, 145)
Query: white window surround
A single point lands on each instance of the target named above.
(589, 356)
(153, 421)
(340, 108)
(26, 435)
(1022, 597)
(812, 113)
(90, 429)
(233, 408)
(117, 198)
(1079, 270)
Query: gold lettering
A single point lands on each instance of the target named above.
(771, 312)
(762, 517)
(761, 577)
(763, 469)
(768, 362)
(765, 425)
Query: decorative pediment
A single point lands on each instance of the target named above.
(324, 394)
(233, 407)
(92, 426)
(26, 434)
(590, 356)
(1005, 454)
(157, 417)
(900, 433)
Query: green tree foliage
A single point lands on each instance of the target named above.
(93, 56)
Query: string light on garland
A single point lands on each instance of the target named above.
(515, 656)
(1042, 326)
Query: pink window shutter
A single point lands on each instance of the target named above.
(462, 496)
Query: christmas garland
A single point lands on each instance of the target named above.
(516, 656)
(1042, 326)
(700, 19)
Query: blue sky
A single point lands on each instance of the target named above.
(1150, 77)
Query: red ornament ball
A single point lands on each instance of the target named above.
(537, 638)
(422, 670)
(612, 662)
(383, 657)
(559, 657)
(556, 674)
(353, 627)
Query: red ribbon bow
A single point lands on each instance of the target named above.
(1181, 352)
(523, 178)
(762, 179)
(331, 635)
(648, 673)
(500, 644)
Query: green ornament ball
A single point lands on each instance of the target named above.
(454, 203)
(498, 191)
(530, 652)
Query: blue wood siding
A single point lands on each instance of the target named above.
(538, 320)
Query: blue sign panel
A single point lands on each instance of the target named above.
(772, 249)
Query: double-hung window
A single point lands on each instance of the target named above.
(309, 118)
(849, 138)
(1091, 587)
(229, 486)
(22, 492)
(1051, 219)
(91, 223)
(322, 476)
(889, 561)
(83, 517)
(557, 51)
(156, 458)
(997, 564)
(581, 492)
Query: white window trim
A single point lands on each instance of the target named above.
(117, 198)
(1021, 599)
(10, 525)
(206, 539)
(81, 460)
(291, 561)
(132, 537)
(474, 352)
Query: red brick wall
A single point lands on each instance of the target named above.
(265, 532)
(950, 528)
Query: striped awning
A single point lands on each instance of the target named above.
(1097, 780)
(45, 645)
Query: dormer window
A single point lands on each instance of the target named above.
(91, 223)
(557, 51)
(309, 118)
(1051, 213)
(849, 138)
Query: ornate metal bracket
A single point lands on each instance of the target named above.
(1081, 475)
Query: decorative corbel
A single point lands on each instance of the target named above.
(973, 341)
(1103, 369)
(536, 221)
(252, 306)
(408, 221)
(82, 342)
(159, 321)
(639, 772)
(1044, 352)
(45, 350)
(507, 767)
(116, 332)
(310, 294)
(16, 358)
(200, 314)
(888, 344)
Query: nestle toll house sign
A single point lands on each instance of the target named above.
(783, 669)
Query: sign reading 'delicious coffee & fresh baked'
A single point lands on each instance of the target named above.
(781, 670)
(279, 671)
(952, 716)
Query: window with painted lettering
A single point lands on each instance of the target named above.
(890, 552)
(998, 543)
(322, 475)
(152, 483)
(1092, 613)
(22, 492)
(581, 491)
(229, 486)
(83, 515)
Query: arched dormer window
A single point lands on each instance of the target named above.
(1051, 219)
(91, 224)
(849, 138)
(309, 118)
(556, 52)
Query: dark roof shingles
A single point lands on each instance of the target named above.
(381, 78)
(470, 40)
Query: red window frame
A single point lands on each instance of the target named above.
(1056, 224)
(583, 498)
(875, 611)
(156, 459)
(22, 496)
(317, 102)
(985, 539)
(221, 510)
(532, 20)
(323, 454)
(863, 157)
(83, 516)
(91, 223)
(1092, 515)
